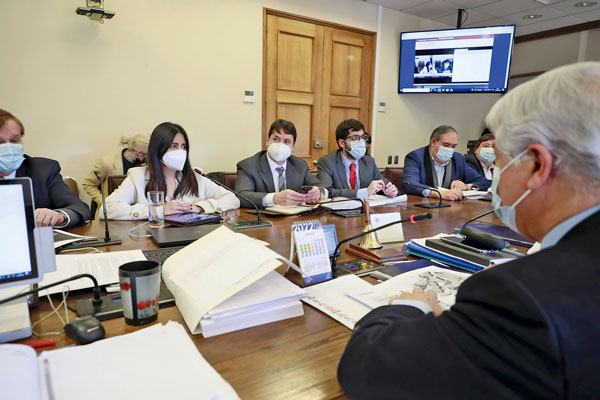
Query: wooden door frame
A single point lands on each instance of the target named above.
(269, 11)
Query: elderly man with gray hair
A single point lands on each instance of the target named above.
(523, 329)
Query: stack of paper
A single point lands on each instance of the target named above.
(103, 266)
(469, 261)
(342, 203)
(269, 299)
(209, 271)
(379, 200)
(477, 194)
(158, 362)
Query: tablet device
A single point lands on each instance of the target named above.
(192, 219)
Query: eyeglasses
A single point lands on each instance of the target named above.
(355, 138)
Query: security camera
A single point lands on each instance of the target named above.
(95, 11)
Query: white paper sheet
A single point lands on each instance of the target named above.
(330, 298)
(104, 267)
(379, 200)
(18, 372)
(156, 363)
(390, 234)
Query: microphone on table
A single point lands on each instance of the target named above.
(94, 242)
(413, 219)
(485, 239)
(428, 205)
(96, 301)
(107, 238)
(259, 223)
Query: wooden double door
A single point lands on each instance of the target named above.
(315, 75)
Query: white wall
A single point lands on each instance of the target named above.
(78, 85)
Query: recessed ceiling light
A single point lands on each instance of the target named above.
(532, 16)
(586, 3)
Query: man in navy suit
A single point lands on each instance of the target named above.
(349, 170)
(274, 176)
(56, 205)
(438, 165)
(524, 329)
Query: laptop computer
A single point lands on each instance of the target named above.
(180, 236)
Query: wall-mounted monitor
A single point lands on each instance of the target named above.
(467, 60)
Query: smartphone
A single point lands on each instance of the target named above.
(304, 189)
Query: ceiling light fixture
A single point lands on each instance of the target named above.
(532, 16)
(586, 3)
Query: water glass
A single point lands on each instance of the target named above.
(156, 209)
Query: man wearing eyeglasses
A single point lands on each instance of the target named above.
(349, 170)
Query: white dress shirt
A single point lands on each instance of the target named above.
(360, 193)
(267, 201)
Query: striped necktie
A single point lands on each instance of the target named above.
(280, 178)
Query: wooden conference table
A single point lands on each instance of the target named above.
(291, 359)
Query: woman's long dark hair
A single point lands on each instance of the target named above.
(160, 141)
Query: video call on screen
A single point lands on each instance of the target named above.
(456, 60)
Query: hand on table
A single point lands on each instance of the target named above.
(178, 207)
(290, 197)
(429, 297)
(375, 186)
(447, 194)
(47, 217)
(458, 185)
(390, 190)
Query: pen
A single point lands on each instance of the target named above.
(48, 380)
(41, 343)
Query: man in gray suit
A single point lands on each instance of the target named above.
(275, 176)
(349, 170)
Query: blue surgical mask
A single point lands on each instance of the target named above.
(487, 155)
(358, 149)
(444, 153)
(11, 156)
(507, 214)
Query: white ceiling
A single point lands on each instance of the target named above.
(552, 13)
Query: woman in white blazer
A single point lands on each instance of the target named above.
(168, 170)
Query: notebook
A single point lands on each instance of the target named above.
(180, 236)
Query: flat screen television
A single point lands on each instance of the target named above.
(467, 60)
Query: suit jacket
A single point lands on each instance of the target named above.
(525, 329)
(129, 200)
(49, 190)
(110, 164)
(473, 162)
(255, 180)
(417, 169)
(331, 172)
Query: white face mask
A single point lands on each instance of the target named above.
(507, 214)
(279, 152)
(175, 159)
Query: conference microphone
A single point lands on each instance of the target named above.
(94, 242)
(107, 238)
(96, 301)
(428, 205)
(485, 239)
(413, 219)
(259, 223)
